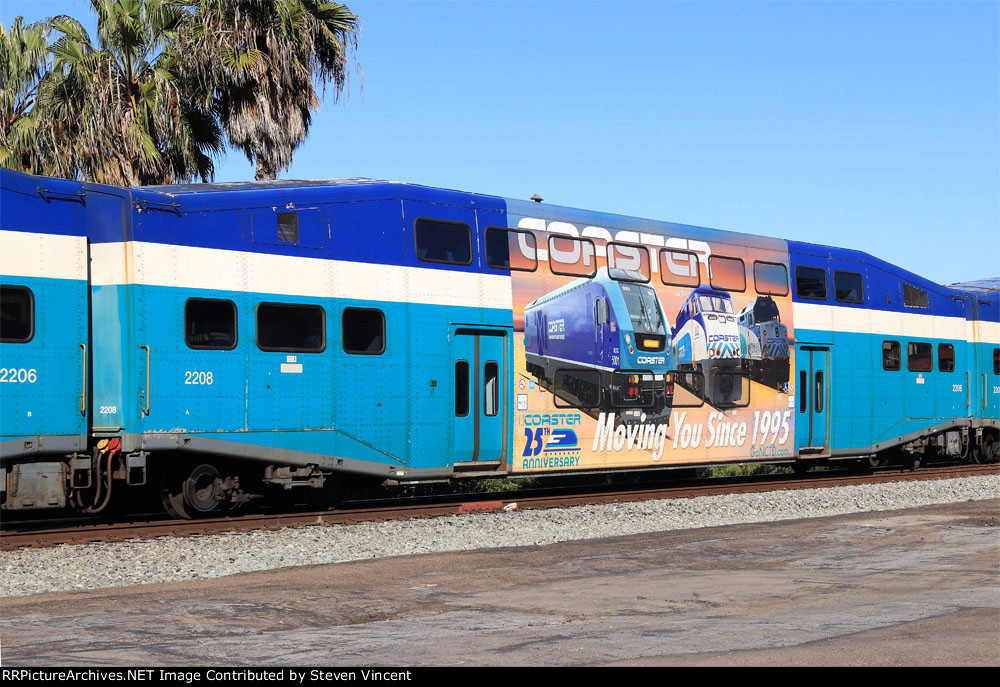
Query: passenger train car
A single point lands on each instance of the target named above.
(218, 342)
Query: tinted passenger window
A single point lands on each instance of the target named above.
(849, 287)
(810, 282)
(996, 361)
(891, 355)
(506, 249)
(571, 256)
(363, 331)
(288, 227)
(919, 356)
(491, 388)
(282, 327)
(727, 274)
(461, 388)
(17, 314)
(914, 297)
(770, 278)
(946, 357)
(210, 324)
(448, 242)
(679, 268)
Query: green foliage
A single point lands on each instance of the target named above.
(168, 81)
(745, 470)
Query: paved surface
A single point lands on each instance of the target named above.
(914, 587)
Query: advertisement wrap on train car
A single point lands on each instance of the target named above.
(633, 346)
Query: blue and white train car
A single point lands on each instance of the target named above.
(889, 362)
(218, 341)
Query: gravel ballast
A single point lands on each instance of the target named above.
(168, 559)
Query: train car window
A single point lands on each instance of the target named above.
(511, 249)
(491, 389)
(288, 327)
(679, 268)
(914, 297)
(996, 361)
(628, 262)
(461, 388)
(363, 331)
(571, 256)
(441, 241)
(770, 278)
(288, 227)
(849, 287)
(810, 282)
(919, 356)
(803, 390)
(576, 389)
(946, 357)
(210, 324)
(818, 401)
(17, 314)
(728, 274)
(891, 355)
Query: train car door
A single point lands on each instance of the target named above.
(480, 398)
(813, 396)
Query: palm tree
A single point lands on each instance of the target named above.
(24, 60)
(260, 59)
(127, 116)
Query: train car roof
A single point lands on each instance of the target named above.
(979, 286)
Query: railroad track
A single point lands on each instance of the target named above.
(22, 534)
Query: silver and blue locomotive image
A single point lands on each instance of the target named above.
(603, 343)
(764, 342)
(707, 346)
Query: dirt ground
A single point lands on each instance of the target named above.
(913, 587)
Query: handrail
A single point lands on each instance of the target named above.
(83, 394)
(145, 411)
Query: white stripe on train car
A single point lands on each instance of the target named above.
(911, 325)
(51, 256)
(158, 264)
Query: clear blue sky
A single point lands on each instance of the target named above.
(858, 124)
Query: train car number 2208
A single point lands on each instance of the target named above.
(197, 377)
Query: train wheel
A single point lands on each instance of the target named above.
(986, 451)
(187, 495)
(913, 462)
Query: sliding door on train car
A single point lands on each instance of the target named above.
(812, 428)
(481, 411)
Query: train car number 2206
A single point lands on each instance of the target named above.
(18, 375)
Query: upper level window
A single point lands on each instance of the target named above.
(363, 331)
(946, 357)
(849, 287)
(288, 327)
(679, 268)
(914, 297)
(571, 256)
(508, 249)
(288, 227)
(440, 241)
(810, 282)
(891, 355)
(919, 356)
(727, 274)
(17, 314)
(210, 324)
(628, 262)
(770, 278)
